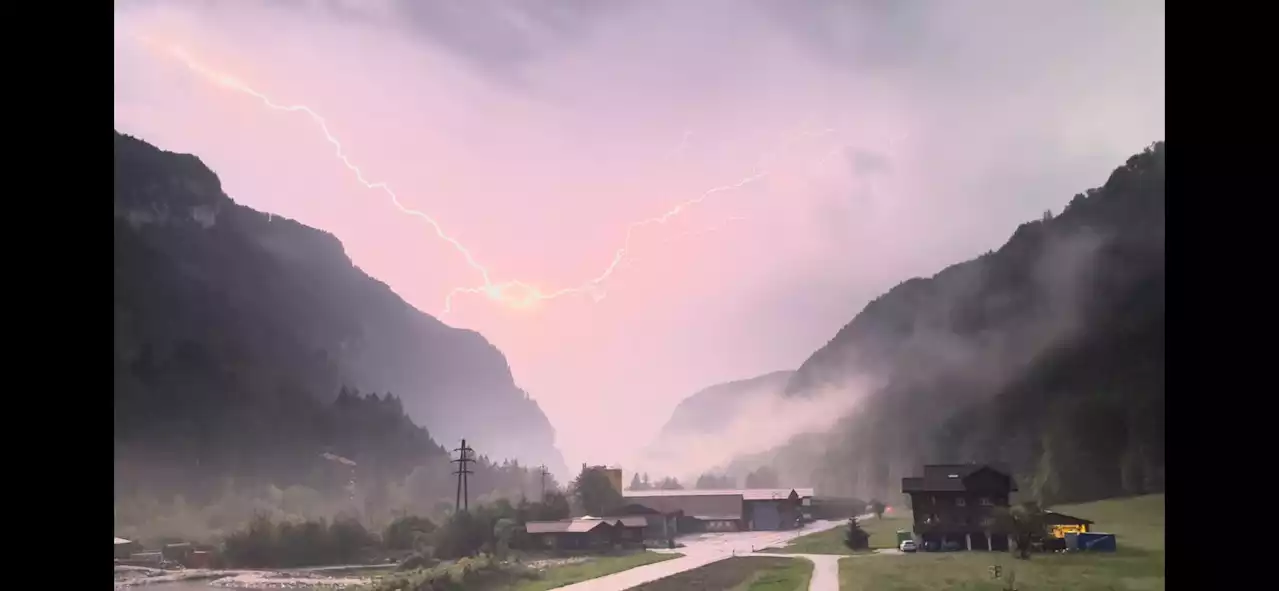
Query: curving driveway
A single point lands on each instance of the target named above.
(704, 549)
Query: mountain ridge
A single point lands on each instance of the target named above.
(261, 302)
(1011, 356)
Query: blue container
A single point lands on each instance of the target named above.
(1096, 542)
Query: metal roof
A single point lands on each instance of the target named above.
(546, 527)
(122, 541)
(717, 517)
(630, 521)
(746, 494)
(693, 504)
(1055, 518)
(582, 525)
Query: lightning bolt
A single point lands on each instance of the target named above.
(591, 287)
(513, 293)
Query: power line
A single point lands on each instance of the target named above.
(466, 456)
(542, 473)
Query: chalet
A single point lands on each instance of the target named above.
(950, 505)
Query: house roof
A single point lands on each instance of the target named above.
(120, 541)
(582, 525)
(693, 504)
(1055, 518)
(950, 477)
(630, 521)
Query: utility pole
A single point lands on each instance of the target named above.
(466, 456)
(542, 473)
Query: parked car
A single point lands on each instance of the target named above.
(907, 546)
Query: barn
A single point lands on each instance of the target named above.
(587, 533)
(724, 509)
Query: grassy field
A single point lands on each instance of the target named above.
(559, 576)
(883, 535)
(744, 573)
(1137, 565)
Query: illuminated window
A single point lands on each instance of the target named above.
(985, 501)
(959, 501)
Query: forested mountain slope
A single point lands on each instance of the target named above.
(1047, 354)
(235, 331)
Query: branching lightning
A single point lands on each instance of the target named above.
(512, 293)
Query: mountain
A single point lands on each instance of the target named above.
(229, 323)
(1047, 355)
(707, 420)
(706, 410)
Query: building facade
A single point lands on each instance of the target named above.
(951, 505)
(723, 510)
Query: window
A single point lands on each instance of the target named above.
(959, 501)
(985, 501)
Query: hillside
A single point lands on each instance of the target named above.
(236, 330)
(707, 409)
(711, 418)
(1047, 354)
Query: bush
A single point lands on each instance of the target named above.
(268, 544)
(857, 538)
(410, 532)
(417, 561)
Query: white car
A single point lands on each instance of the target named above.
(907, 546)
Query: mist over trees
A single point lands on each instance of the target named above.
(715, 481)
(1046, 355)
(397, 469)
(762, 477)
(669, 483)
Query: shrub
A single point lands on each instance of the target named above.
(856, 538)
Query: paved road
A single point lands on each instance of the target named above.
(704, 549)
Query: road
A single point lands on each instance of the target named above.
(704, 549)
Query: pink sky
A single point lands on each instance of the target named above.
(536, 136)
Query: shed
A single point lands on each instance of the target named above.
(1061, 524)
(125, 548)
(177, 552)
(588, 532)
